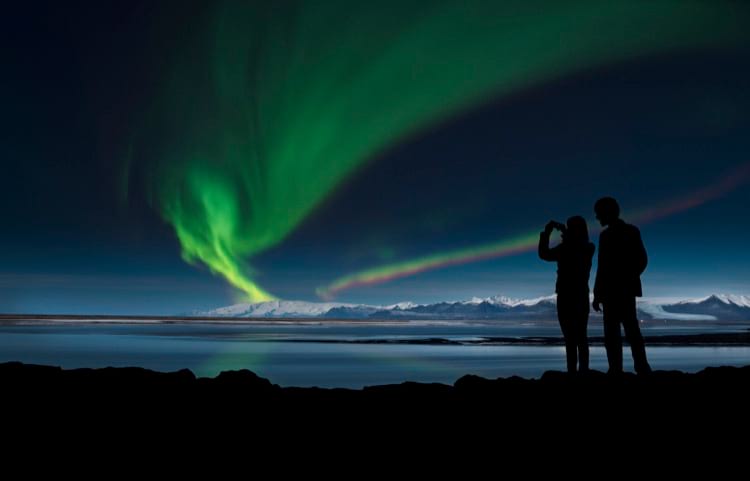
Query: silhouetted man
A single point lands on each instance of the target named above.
(622, 260)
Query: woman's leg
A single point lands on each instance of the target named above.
(582, 338)
(567, 325)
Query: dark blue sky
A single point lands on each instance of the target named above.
(645, 131)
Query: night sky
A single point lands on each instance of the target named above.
(161, 158)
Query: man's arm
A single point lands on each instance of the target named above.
(599, 282)
(641, 257)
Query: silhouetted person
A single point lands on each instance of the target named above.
(573, 256)
(622, 260)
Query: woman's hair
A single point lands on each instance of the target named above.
(578, 230)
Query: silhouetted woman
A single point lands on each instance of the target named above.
(573, 256)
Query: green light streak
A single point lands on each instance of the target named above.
(268, 108)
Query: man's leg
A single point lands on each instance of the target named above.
(612, 336)
(633, 334)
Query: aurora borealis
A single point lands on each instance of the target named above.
(291, 106)
(373, 153)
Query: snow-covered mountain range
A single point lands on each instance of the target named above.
(717, 307)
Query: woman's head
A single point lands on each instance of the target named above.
(577, 230)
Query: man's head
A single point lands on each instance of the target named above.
(607, 210)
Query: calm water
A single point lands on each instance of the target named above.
(208, 349)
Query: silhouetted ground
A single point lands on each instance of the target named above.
(136, 415)
(713, 393)
(130, 418)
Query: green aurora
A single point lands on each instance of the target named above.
(269, 106)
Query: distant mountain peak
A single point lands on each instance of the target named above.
(731, 299)
(403, 305)
(501, 300)
(277, 308)
(723, 307)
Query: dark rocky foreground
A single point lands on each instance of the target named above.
(131, 418)
(112, 395)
